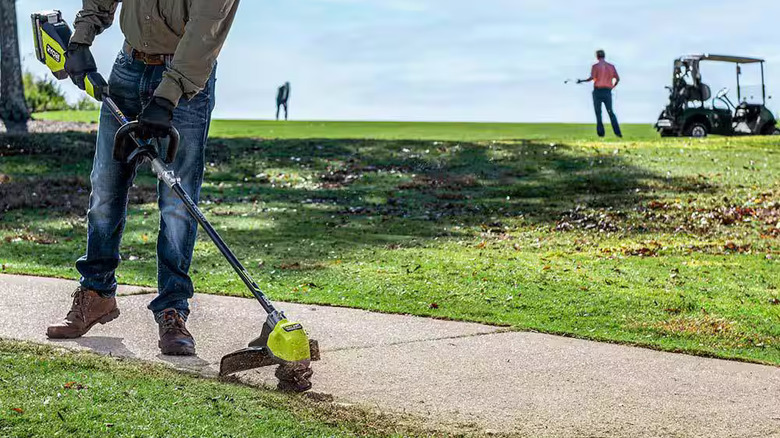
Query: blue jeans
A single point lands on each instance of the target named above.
(604, 96)
(131, 85)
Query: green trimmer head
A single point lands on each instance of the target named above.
(282, 343)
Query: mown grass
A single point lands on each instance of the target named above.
(69, 116)
(669, 244)
(47, 392)
(385, 130)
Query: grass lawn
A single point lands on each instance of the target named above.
(45, 392)
(671, 244)
(69, 116)
(384, 130)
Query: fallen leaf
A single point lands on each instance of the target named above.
(433, 306)
(734, 247)
(74, 385)
(18, 410)
(657, 205)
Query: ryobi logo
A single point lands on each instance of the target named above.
(294, 327)
(57, 56)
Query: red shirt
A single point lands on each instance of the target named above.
(604, 75)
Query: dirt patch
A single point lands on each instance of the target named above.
(69, 195)
(62, 147)
(66, 195)
(50, 126)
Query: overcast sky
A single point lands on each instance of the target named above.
(461, 60)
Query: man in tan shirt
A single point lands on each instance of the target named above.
(164, 76)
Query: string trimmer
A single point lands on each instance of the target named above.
(281, 342)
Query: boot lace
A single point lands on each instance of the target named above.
(173, 322)
(80, 303)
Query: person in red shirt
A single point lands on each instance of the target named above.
(605, 77)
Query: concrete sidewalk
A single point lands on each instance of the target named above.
(446, 372)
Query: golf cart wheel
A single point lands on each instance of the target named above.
(770, 129)
(697, 130)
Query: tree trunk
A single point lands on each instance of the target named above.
(13, 108)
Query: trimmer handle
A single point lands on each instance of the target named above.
(96, 86)
(122, 152)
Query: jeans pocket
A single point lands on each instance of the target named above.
(193, 113)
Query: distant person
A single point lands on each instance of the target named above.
(282, 98)
(605, 78)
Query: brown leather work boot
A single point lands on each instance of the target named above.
(175, 340)
(88, 309)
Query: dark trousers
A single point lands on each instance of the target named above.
(279, 106)
(604, 96)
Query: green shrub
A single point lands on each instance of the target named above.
(86, 103)
(43, 94)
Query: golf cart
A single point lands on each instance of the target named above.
(688, 115)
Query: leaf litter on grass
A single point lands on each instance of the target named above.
(368, 209)
(712, 330)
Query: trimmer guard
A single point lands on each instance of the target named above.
(257, 357)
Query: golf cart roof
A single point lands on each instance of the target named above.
(722, 58)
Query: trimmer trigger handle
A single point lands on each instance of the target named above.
(96, 86)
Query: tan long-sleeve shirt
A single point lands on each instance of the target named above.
(192, 30)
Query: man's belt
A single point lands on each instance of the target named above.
(147, 58)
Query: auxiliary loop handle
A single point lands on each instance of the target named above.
(123, 152)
